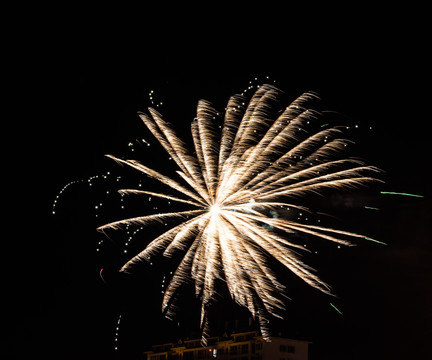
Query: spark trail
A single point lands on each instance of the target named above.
(260, 161)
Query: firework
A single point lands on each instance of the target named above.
(262, 160)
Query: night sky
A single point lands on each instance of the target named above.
(74, 98)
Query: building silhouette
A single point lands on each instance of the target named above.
(238, 346)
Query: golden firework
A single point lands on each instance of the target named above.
(259, 162)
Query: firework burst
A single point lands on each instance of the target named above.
(260, 161)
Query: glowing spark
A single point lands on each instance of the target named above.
(334, 307)
(402, 194)
(236, 180)
(378, 242)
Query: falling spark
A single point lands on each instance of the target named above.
(334, 307)
(376, 241)
(401, 194)
(371, 208)
(235, 182)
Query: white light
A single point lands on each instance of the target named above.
(214, 210)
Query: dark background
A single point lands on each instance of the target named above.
(74, 90)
